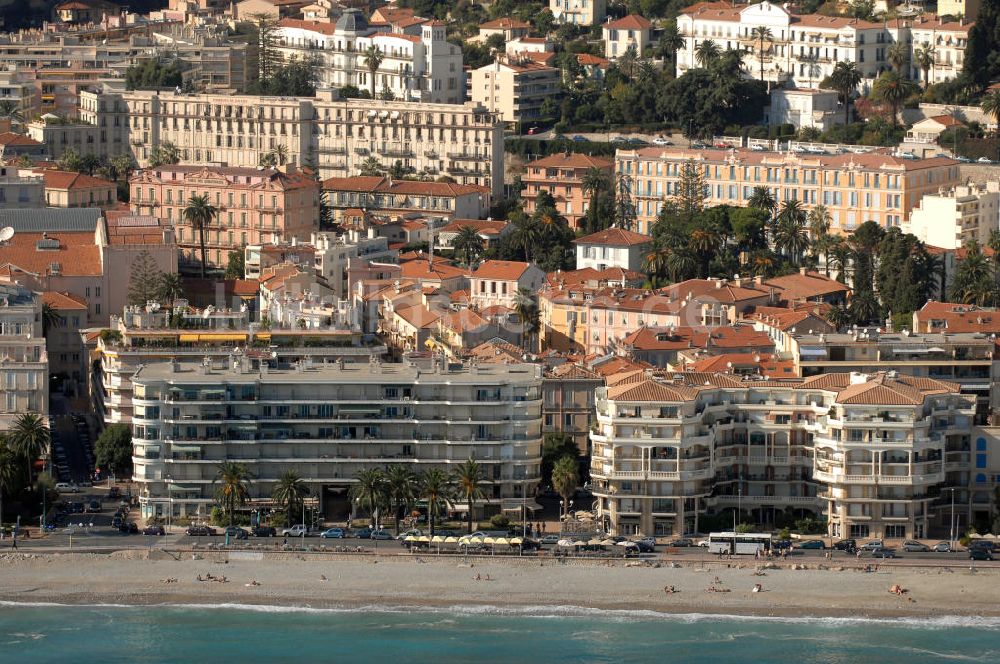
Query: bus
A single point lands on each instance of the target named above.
(746, 543)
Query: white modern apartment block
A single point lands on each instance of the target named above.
(334, 135)
(24, 370)
(870, 452)
(804, 48)
(334, 254)
(955, 216)
(327, 423)
(424, 68)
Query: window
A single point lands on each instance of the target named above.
(980, 444)
(980, 461)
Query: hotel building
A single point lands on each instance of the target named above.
(327, 423)
(334, 135)
(855, 188)
(871, 453)
(562, 176)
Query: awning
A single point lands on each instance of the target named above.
(515, 505)
(915, 349)
(266, 336)
(973, 386)
(183, 487)
(222, 337)
(188, 338)
(813, 352)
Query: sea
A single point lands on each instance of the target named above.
(38, 633)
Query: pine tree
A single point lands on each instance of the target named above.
(690, 197)
(144, 282)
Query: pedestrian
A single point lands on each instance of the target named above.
(285, 542)
(14, 545)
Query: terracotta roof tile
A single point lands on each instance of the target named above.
(501, 270)
(630, 22)
(615, 237)
(76, 256)
(505, 24)
(651, 390)
(571, 160)
(64, 301)
(10, 138)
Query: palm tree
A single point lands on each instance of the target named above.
(121, 166)
(923, 57)
(401, 490)
(526, 308)
(671, 41)
(436, 490)
(897, 55)
(819, 221)
(839, 316)
(525, 235)
(8, 471)
(790, 236)
(234, 487)
(369, 492)
(594, 180)
(681, 265)
(165, 153)
(267, 160)
(50, 318)
(371, 166)
(845, 80)
(706, 53)
(893, 88)
(974, 282)
(29, 439)
(469, 481)
(761, 199)
(290, 492)
(9, 110)
(628, 60)
(565, 479)
(280, 153)
(990, 104)
(655, 262)
(200, 213)
(373, 60)
(763, 265)
(468, 243)
(705, 243)
(841, 255)
(171, 288)
(762, 34)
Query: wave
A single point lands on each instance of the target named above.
(554, 612)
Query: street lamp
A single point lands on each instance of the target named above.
(951, 522)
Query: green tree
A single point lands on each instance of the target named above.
(401, 490)
(845, 79)
(234, 487)
(153, 74)
(9, 471)
(565, 479)
(706, 53)
(371, 167)
(145, 280)
(990, 105)
(369, 491)
(268, 56)
(974, 281)
(762, 34)
(893, 88)
(691, 195)
(437, 491)
(469, 482)
(164, 154)
(200, 214)
(113, 449)
(671, 40)
(236, 265)
(9, 110)
(468, 244)
(29, 439)
(171, 288)
(790, 236)
(70, 161)
(923, 58)
(290, 493)
(526, 308)
(51, 318)
(554, 447)
(373, 60)
(897, 55)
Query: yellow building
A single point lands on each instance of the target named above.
(855, 188)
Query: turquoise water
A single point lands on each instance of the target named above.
(107, 634)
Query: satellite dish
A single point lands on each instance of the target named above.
(6, 233)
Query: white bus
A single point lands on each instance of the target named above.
(746, 543)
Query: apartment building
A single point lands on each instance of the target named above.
(948, 41)
(498, 283)
(424, 67)
(871, 452)
(629, 32)
(804, 48)
(855, 188)
(336, 254)
(516, 87)
(255, 206)
(612, 247)
(62, 341)
(508, 28)
(328, 423)
(968, 9)
(336, 136)
(579, 12)
(382, 195)
(24, 379)
(20, 191)
(951, 218)
(144, 335)
(14, 145)
(562, 175)
(69, 189)
(16, 89)
(962, 358)
(568, 393)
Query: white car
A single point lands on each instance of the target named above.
(296, 531)
(758, 148)
(415, 532)
(702, 543)
(984, 160)
(659, 140)
(66, 487)
(549, 539)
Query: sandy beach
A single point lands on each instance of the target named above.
(291, 579)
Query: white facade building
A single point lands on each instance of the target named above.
(424, 68)
(24, 376)
(816, 109)
(953, 217)
(334, 254)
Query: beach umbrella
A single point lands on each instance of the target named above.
(564, 542)
(501, 540)
(437, 539)
(595, 542)
(451, 540)
(627, 544)
(489, 540)
(516, 541)
(410, 538)
(476, 540)
(608, 542)
(423, 538)
(579, 544)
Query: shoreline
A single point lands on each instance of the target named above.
(513, 586)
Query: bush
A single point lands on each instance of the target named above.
(784, 533)
(499, 522)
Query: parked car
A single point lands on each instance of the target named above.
(332, 533)
(983, 544)
(66, 487)
(980, 554)
(660, 140)
(702, 543)
(984, 160)
(883, 552)
(757, 147)
(874, 544)
(781, 544)
(580, 139)
(846, 545)
(128, 528)
(681, 542)
(363, 533)
(446, 533)
(915, 546)
(412, 532)
(528, 544)
(942, 547)
(811, 544)
(263, 531)
(532, 131)
(235, 532)
(549, 539)
(154, 530)
(298, 530)
(201, 531)
(646, 545)
(380, 535)
(93, 506)
(963, 159)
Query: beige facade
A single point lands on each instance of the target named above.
(952, 218)
(870, 452)
(579, 12)
(516, 88)
(334, 135)
(255, 206)
(968, 9)
(562, 176)
(20, 191)
(855, 188)
(24, 377)
(328, 423)
(70, 190)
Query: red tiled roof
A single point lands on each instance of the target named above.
(72, 180)
(630, 22)
(950, 317)
(10, 138)
(322, 27)
(651, 390)
(488, 227)
(571, 160)
(63, 301)
(765, 364)
(615, 237)
(800, 286)
(375, 183)
(418, 316)
(77, 254)
(501, 270)
(421, 269)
